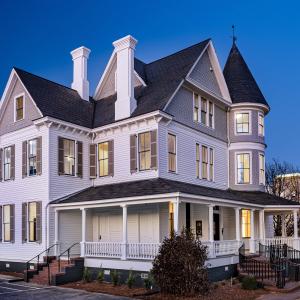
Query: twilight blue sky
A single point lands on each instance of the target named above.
(38, 36)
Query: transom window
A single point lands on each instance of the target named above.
(7, 163)
(6, 223)
(69, 157)
(32, 208)
(242, 122)
(246, 223)
(196, 107)
(243, 168)
(103, 158)
(19, 108)
(204, 162)
(261, 169)
(32, 156)
(145, 151)
(261, 124)
(172, 152)
(203, 110)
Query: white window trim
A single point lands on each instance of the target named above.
(75, 155)
(15, 107)
(2, 224)
(208, 161)
(138, 150)
(199, 109)
(27, 158)
(250, 122)
(213, 177)
(176, 149)
(260, 114)
(200, 112)
(213, 118)
(236, 164)
(3, 163)
(263, 181)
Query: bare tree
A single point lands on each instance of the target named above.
(283, 180)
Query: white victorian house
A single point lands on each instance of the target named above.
(159, 146)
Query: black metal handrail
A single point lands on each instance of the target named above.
(61, 254)
(38, 261)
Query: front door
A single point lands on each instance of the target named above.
(216, 227)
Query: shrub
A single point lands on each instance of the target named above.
(114, 277)
(130, 280)
(100, 276)
(249, 283)
(86, 277)
(147, 283)
(179, 268)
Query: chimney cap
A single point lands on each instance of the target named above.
(80, 51)
(126, 42)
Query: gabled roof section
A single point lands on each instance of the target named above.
(240, 81)
(57, 101)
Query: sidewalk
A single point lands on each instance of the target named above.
(282, 296)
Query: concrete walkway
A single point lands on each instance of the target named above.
(281, 296)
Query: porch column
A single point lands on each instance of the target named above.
(283, 225)
(176, 215)
(252, 233)
(296, 244)
(262, 224)
(124, 240)
(83, 231)
(237, 224)
(56, 241)
(211, 229)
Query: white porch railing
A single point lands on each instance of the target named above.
(220, 248)
(278, 240)
(142, 250)
(103, 249)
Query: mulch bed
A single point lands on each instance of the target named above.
(15, 274)
(221, 291)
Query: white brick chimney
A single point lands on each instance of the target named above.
(126, 102)
(80, 82)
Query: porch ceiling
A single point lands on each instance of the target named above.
(160, 186)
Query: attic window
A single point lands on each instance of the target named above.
(19, 108)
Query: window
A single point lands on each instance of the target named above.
(211, 164)
(172, 152)
(6, 223)
(144, 151)
(204, 162)
(196, 107)
(246, 221)
(19, 108)
(261, 169)
(7, 163)
(103, 159)
(261, 124)
(32, 156)
(243, 168)
(32, 208)
(69, 157)
(197, 161)
(203, 110)
(171, 217)
(211, 114)
(242, 122)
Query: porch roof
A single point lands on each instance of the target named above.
(159, 186)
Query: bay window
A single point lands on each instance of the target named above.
(261, 124)
(242, 122)
(243, 168)
(261, 169)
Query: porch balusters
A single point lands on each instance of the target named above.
(83, 232)
(124, 241)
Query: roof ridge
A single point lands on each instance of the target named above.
(18, 69)
(177, 52)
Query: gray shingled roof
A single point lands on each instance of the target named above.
(240, 82)
(163, 186)
(161, 76)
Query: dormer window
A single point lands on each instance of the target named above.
(19, 108)
(242, 123)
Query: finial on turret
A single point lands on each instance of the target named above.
(234, 38)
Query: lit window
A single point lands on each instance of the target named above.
(243, 168)
(203, 110)
(19, 108)
(6, 223)
(32, 157)
(204, 162)
(211, 114)
(242, 122)
(196, 107)
(261, 125)
(32, 207)
(172, 152)
(69, 157)
(103, 158)
(144, 151)
(211, 164)
(7, 163)
(246, 223)
(171, 217)
(261, 169)
(197, 161)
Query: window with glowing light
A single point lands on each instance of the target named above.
(242, 123)
(246, 223)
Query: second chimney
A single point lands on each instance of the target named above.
(126, 102)
(80, 82)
